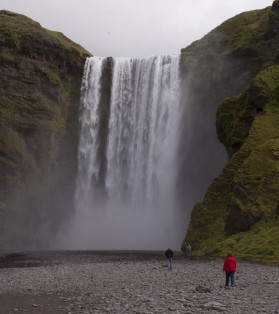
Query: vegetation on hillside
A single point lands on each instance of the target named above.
(40, 77)
(239, 212)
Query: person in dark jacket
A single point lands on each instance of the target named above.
(230, 268)
(169, 256)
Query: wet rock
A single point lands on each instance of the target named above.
(216, 306)
(202, 289)
(63, 288)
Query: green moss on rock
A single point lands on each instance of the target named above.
(240, 210)
(40, 78)
(228, 57)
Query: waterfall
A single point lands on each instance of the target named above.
(127, 157)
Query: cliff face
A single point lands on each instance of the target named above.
(240, 209)
(40, 75)
(218, 66)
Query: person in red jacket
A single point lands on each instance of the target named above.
(230, 268)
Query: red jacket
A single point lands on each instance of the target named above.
(229, 264)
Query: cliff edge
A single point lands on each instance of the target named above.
(40, 77)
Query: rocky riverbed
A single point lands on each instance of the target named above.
(130, 282)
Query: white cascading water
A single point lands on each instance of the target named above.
(133, 206)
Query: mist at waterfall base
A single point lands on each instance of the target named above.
(127, 159)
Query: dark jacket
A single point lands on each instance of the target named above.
(169, 253)
(229, 264)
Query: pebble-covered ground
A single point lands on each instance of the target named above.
(131, 282)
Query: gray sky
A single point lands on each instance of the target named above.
(132, 28)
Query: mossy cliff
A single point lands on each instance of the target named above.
(40, 78)
(40, 75)
(220, 65)
(240, 210)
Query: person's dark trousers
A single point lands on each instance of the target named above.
(229, 276)
(169, 263)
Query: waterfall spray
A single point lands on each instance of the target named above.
(127, 158)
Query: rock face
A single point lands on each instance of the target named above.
(220, 65)
(235, 65)
(240, 209)
(40, 78)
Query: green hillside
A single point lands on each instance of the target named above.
(40, 75)
(240, 210)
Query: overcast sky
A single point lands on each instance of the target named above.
(132, 28)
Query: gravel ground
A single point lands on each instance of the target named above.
(130, 282)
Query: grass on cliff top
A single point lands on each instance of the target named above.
(253, 170)
(16, 27)
(244, 31)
